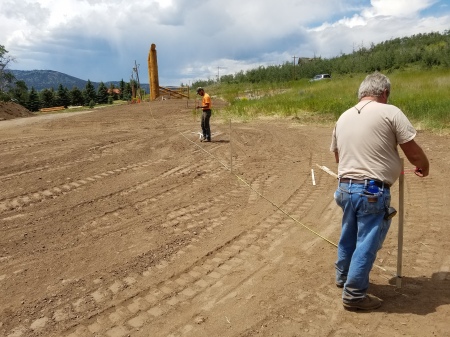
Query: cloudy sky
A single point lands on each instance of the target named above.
(101, 40)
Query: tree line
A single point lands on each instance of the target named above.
(422, 50)
(17, 91)
(46, 98)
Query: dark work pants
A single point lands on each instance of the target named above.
(206, 115)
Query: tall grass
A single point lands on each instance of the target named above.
(424, 96)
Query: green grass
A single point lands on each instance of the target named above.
(422, 95)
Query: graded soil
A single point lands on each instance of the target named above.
(120, 222)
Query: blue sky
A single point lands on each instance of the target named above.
(100, 40)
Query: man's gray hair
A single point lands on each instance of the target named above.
(374, 85)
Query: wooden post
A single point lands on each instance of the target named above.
(401, 197)
(153, 73)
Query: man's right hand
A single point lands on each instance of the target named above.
(417, 157)
(419, 172)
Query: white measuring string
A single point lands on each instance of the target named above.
(257, 192)
(262, 196)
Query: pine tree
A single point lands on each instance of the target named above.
(89, 93)
(33, 101)
(76, 97)
(62, 97)
(122, 89)
(126, 93)
(102, 94)
(47, 98)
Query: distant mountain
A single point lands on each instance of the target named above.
(47, 79)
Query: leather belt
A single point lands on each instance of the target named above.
(366, 181)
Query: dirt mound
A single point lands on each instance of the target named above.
(11, 110)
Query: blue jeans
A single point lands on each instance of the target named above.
(206, 115)
(363, 232)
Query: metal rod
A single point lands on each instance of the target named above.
(231, 152)
(401, 197)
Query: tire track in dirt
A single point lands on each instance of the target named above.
(100, 295)
(169, 295)
(94, 301)
(263, 180)
(180, 217)
(53, 192)
(46, 168)
(50, 193)
(423, 195)
(95, 152)
(98, 225)
(206, 259)
(36, 143)
(24, 172)
(31, 145)
(187, 215)
(94, 179)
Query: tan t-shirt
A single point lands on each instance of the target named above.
(366, 141)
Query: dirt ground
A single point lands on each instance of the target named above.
(11, 110)
(120, 222)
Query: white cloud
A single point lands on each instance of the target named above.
(101, 39)
(397, 8)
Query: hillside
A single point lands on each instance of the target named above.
(47, 79)
(421, 51)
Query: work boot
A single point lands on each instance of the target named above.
(370, 302)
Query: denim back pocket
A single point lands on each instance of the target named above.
(373, 204)
(339, 197)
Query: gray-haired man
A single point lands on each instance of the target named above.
(364, 142)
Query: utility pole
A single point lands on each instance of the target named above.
(293, 70)
(133, 87)
(136, 70)
(218, 73)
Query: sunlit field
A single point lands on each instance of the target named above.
(422, 95)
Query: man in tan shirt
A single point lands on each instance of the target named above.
(364, 142)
